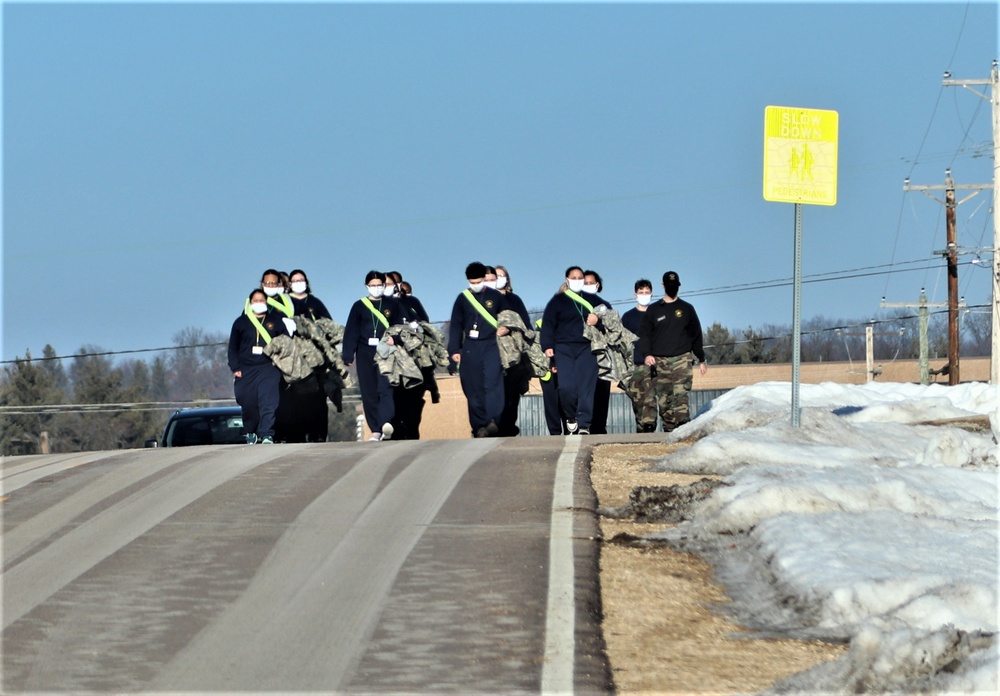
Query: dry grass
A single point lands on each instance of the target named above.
(661, 636)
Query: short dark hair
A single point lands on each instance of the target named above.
(396, 276)
(268, 272)
(475, 270)
(573, 268)
(597, 277)
(254, 292)
(643, 283)
(372, 275)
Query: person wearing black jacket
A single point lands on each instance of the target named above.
(410, 400)
(562, 338)
(516, 378)
(303, 415)
(366, 324)
(670, 332)
(472, 345)
(256, 380)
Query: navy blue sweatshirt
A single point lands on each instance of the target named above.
(413, 309)
(244, 336)
(310, 306)
(515, 303)
(632, 320)
(466, 318)
(564, 319)
(362, 325)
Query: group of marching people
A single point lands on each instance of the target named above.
(283, 353)
(288, 355)
(577, 349)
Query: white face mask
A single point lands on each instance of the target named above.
(258, 308)
(477, 287)
(592, 289)
(575, 284)
(271, 292)
(377, 291)
(501, 282)
(490, 284)
(299, 286)
(390, 291)
(644, 300)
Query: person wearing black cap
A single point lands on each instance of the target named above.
(472, 345)
(670, 332)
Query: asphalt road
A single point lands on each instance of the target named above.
(465, 566)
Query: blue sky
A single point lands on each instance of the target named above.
(157, 158)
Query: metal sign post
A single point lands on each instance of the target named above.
(797, 316)
(800, 166)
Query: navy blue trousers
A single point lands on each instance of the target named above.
(257, 394)
(376, 392)
(481, 375)
(550, 402)
(577, 382)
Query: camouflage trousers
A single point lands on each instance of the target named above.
(672, 383)
(639, 387)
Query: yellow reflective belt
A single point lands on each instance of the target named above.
(482, 310)
(579, 300)
(256, 322)
(381, 317)
(285, 306)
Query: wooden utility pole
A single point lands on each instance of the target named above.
(994, 98)
(923, 314)
(951, 256)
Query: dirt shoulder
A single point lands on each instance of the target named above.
(660, 632)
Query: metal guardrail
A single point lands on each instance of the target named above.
(621, 419)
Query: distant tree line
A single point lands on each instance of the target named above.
(90, 402)
(825, 339)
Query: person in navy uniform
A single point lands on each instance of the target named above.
(366, 324)
(472, 344)
(562, 338)
(256, 380)
(304, 302)
(304, 415)
(274, 286)
(515, 379)
(594, 284)
(410, 401)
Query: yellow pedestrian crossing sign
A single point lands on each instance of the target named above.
(800, 155)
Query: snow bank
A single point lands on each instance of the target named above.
(858, 525)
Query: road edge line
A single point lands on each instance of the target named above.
(560, 615)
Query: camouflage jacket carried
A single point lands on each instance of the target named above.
(613, 346)
(413, 348)
(520, 347)
(314, 346)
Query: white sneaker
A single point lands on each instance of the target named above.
(387, 431)
(571, 427)
(375, 437)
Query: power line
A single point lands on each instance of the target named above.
(846, 274)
